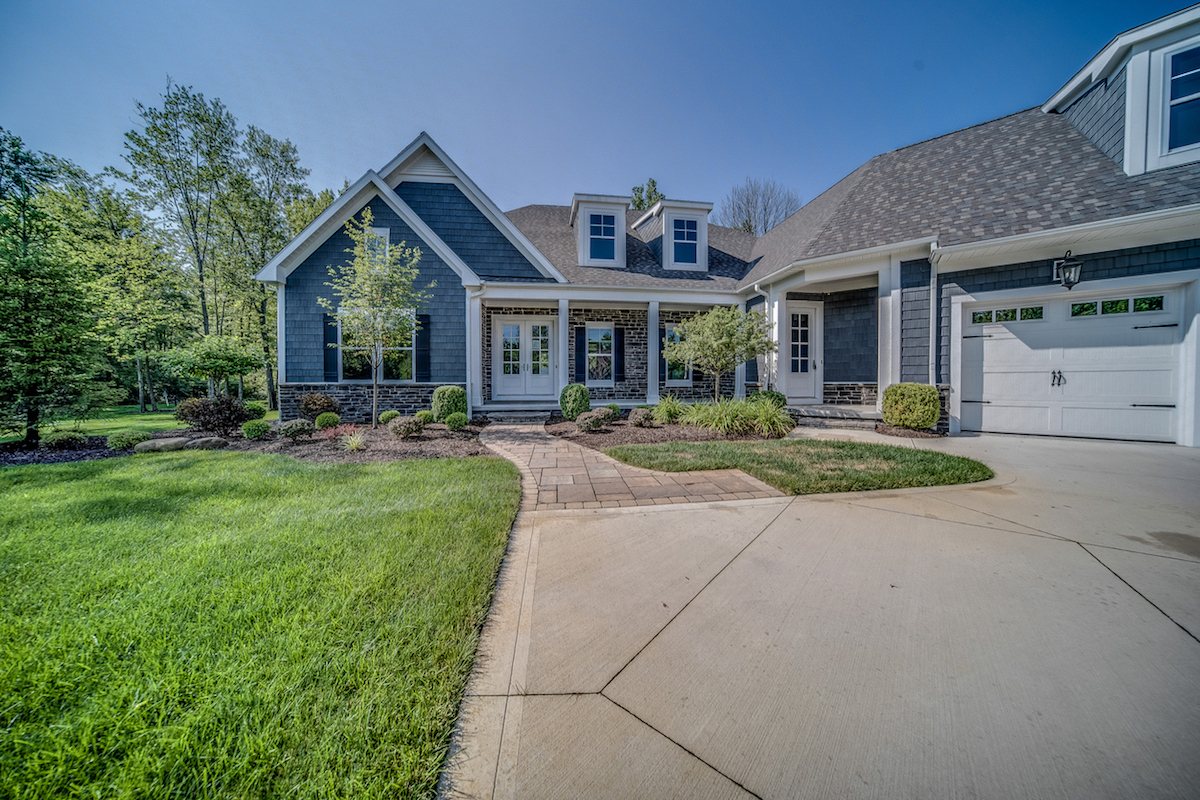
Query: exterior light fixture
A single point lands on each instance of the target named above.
(1067, 269)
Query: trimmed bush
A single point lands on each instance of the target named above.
(641, 417)
(297, 429)
(771, 396)
(591, 421)
(220, 415)
(388, 416)
(63, 440)
(405, 427)
(327, 419)
(257, 409)
(426, 415)
(123, 440)
(911, 405)
(668, 409)
(574, 400)
(457, 421)
(449, 400)
(616, 409)
(256, 429)
(315, 404)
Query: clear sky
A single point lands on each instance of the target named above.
(538, 100)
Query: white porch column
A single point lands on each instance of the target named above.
(281, 336)
(564, 334)
(739, 373)
(778, 327)
(474, 348)
(888, 371)
(652, 354)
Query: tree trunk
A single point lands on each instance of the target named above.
(212, 388)
(150, 387)
(31, 423)
(241, 388)
(717, 386)
(272, 401)
(375, 398)
(137, 359)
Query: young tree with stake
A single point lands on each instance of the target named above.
(716, 342)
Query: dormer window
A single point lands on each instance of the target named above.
(603, 237)
(1183, 122)
(686, 239)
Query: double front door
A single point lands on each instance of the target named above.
(523, 357)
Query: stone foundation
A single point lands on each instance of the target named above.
(851, 394)
(355, 398)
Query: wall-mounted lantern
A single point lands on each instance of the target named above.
(1067, 269)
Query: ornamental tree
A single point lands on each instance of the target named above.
(214, 358)
(716, 342)
(375, 300)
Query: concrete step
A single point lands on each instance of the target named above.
(836, 416)
(519, 417)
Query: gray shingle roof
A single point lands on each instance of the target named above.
(548, 228)
(1023, 173)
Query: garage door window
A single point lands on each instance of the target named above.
(1117, 305)
(1020, 314)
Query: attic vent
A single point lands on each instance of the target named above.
(426, 163)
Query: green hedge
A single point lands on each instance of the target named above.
(911, 405)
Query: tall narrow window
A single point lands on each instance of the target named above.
(599, 353)
(679, 373)
(686, 241)
(1184, 114)
(603, 236)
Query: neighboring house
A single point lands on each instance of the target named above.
(932, 263)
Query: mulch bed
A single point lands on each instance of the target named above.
(621, 432)
(15, 454)
(907, 433)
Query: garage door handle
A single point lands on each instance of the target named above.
(1151, 405)
(1167, 325)
(1056, 378)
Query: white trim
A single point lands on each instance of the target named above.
(564, 343)
(921, 247)
(581, 198)
(668, 241)
(351, 202)
(474, 348)
(652, 326)
(393, 170)
(662, 205)
(1158, 152)
(1189, 283)
(1137, 99)
(526, 350)
(622, 296)
(816, 349)
(582, 212)
(281, 334)
(611, 383)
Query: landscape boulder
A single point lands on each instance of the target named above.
(161, 445)
(207, 443)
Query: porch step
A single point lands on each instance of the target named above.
(836, 416)
(518, 417)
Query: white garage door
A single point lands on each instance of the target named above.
(1101, 366)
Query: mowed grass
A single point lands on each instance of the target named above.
(128, 418)
(809, 467)
(227, 625)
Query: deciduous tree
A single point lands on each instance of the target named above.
(756, 206)
(717, 341)
(646, 196)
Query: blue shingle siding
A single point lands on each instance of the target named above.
(851, 334)
(752, 365)
(914, 321)
(467, 232)
(304, 350)
(1148, 260)
(1100, 116)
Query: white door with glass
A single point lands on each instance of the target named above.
(800, 354)
(523, 357)
(1095, 364)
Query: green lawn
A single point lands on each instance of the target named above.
(236, 625)
(808, 467)
(127, 418)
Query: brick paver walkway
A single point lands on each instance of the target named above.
(561, 474)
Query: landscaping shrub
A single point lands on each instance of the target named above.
(315, 404)
(911, 405)
(63, 440)
(297, 429)
(123, 440)
(388, 416)
(769, 419)
(668, 409)
(770, 396)
(726, 416)
(574, 400)
(457, 421)
(616, 409)
(257, 409)
(448, 400)
(256, 429)
(327, 419)
(354, 441)
(220, 415)
(404, 427)
(336, 432)
(592, 420)
(426, 415)
(641, 417)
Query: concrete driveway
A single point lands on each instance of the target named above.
(1032, 637)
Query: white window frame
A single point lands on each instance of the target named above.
(591, 238)
(676, 382)
(612, 355)
(583, 228)
(1159, 155)
(386, 235)
(668, 241)
(412, 348)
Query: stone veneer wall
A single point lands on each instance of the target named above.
(634, 322)
(851, 394)
(702, 386)
(355, 398)
(516, 311)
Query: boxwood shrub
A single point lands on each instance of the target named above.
(457, 421)
(388, 416)
(326, 420)
(574, 400)
(257, 409)
(911, 405)
(63, 440)
(592, 420)
(426, 415)
(256, 429)
(123, 440)
(449, 400)
(404, 427)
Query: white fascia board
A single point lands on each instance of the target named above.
(481, 201)
(682, 205)
(331, 219)
(1138, 230)
(864, 259)
(625, 294)
(594, 199)
(1106, 62)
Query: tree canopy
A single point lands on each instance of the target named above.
(647, 195)
(717, 341)
(756, 206)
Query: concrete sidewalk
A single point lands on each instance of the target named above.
(1034, 637)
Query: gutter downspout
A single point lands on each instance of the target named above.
(768, 359)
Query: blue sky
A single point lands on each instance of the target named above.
(538, 100)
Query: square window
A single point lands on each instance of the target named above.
(1006, 315)
(1031, 313)
(1148, 303)
(980, 317)
(1114, 307)
(1083, 309)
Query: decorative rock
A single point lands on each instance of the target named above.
(161, 445)
(207, 443)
